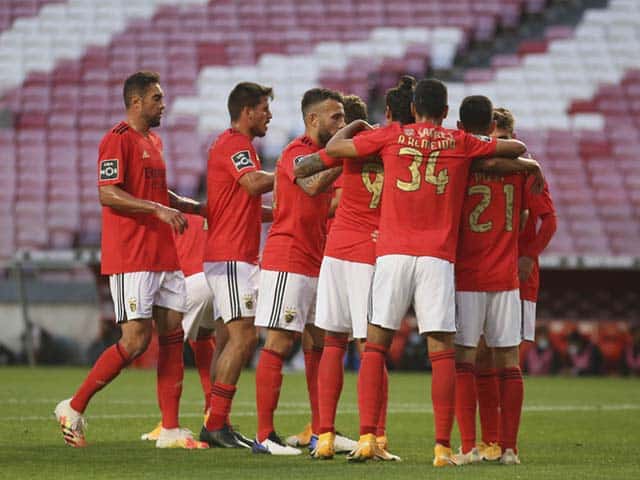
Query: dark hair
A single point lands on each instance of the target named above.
(476, 113)
(504, 119)
(430, 98)
(246, 94)
(354, 108)
(137, 84)
(399, 99)
(317, 95)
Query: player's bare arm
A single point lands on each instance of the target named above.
(267, 214)
(319, 182)
(116, 198)
(309, 165)
(335, 201)
(511, 166)
(341, 144)
(257, 183)
(187, 205)
(510, 148)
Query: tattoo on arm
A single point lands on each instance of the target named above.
(319, 182)
(308, 165)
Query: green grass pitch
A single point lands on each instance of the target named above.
(571, 429)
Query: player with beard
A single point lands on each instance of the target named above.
(235, 184)
(139, 255)
(291, 263)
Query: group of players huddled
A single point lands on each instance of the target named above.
(447, 221)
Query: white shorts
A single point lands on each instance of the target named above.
(135, 294)
(199, 306)
(287, 300)
(343, 296)
(427, 283)
(235, 288)
(496, 315)
(528, 320)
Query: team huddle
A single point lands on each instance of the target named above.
(449, 222)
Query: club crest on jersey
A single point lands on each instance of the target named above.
(133, 305)
(248, 301)
(484, 138)
(145, 154)
(289, 314)
(109, 169)
(242, 160)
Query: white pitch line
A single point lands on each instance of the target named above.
(407, 408)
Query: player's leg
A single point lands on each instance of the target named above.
(312, 346)
(235, 293)
(470, 316)
(434, 302)
(488, 389)
(134, 318)
(284, 305)
(504, 335)
(391, 295)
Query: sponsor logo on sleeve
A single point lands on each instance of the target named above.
(297, 160)
(109, 169)
(484, 138)
(242, 160)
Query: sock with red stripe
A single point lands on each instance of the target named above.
(203, 348)
(330, 381)
(511, 398)
(381, 428)
(268, 383)
(221, 400)
(106, 368)
(370, 386)
(311, 362)
(488, 390)
(466, 405)
(443, 393)
(170, 373)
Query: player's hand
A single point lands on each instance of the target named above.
(525, 268)
(374, 235)
(173, 217)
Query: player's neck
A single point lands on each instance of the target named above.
(432, 120)
(313, 136)
(138, 125)
(242, 128)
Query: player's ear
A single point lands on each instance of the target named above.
(492, 128)
(413, 110)
(387, 114)
(446, 112)
(459, 125)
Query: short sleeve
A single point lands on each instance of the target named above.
(290, 157)
(370, 142)
(476, 146)
(111, 160)
(539, 204)
(239, 158)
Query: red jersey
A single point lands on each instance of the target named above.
(532, 242)
(297, 236)
(234, 216)
(358, 214)
(426, 168)
(135, 242)
(487, 259)
(190, 245)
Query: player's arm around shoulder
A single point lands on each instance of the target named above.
(341, 144)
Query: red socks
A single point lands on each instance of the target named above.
(370, 381)
(511, 397)
(268, 383)
(488, 389)
(311, 363)
(330, 380)
(466, 405)
(170, 374)
(443, 393)
(106, 368)
(221, 400)
(203, 348)
(381, 428)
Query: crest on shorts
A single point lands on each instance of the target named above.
(248, 301)
(133, 305)
(242, 159)
(289, 314)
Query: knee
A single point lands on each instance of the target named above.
(135, 345)
(282, 344)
